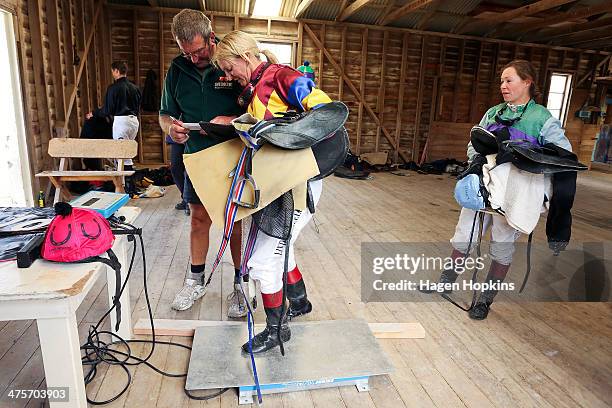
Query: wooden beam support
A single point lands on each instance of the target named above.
(300, 43)
(162, 71)
(364, 58)
(321, 58)
(556, 19)
(411, 6)
(83, 60)
(594, 71)
(458, 74)
(504, 17)
(416, 142)
(353, 8)
(423, 21)
(573, 29)
(341, 9)
(342, 57)
(251, 7)
(400, 98)
(40, 83)
(301, 9)
(380, 107)
(202, 5)
(350, 84)
(474, 94)
(136, 51)
(587, 37)
(55, 61)
(494, 74)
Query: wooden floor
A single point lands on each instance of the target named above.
(523, 355)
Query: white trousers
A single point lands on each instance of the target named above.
(125, 127)
(268, 258)
(503, 235)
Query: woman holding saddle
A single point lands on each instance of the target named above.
(519, 117)
(270, 90)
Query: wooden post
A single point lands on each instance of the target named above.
(400, 98)
(137, 78)
(73, 122)
(492, 78)
(342, 51)
(457, 82)
(162, 71)
(40, 83)
(381, 87)
(300, 43)
(432, 113)
(441, 63)
(321, 58)
(474, 93)
(364, 57)
(416, 145)
(55, 62)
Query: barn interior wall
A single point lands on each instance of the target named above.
(62, 53)
(407, 90)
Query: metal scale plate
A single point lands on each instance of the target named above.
(319, 355)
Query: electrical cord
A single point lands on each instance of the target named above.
(97, 351)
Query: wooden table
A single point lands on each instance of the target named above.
(50, 293)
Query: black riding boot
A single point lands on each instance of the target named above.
(298, 300)
(447, 276)
(496, 276)
(268, 338)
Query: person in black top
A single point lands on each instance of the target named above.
(122, 102)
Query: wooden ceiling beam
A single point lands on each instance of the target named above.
(506, 16)
(572, 29)
(251, 7)
(577, 14)
(410, 7)
(587, 38)
(353, 8)
(602, 43)
(301, 9)
(202, 5)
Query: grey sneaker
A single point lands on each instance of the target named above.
(192, 290)
(237, 306)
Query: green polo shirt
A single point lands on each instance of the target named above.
(192, 95)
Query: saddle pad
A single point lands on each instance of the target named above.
(275, 171)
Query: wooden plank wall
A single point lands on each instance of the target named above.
(47, 32)
(401, 85)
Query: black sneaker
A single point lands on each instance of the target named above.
(181, 206)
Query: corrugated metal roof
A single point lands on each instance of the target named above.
(460, 6)
(322, 10)
(230, 6)
(367, 15)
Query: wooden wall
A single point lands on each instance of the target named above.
(406, 89)
(59, 89)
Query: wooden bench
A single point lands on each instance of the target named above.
(67, 148)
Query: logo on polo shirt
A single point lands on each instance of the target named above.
(223, 83)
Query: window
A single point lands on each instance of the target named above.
(268, 8)
(281, 50)
(15, 187)
(559, 95)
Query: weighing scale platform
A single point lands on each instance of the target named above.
(319, 355)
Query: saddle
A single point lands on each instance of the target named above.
(321, 129)
(547, 159)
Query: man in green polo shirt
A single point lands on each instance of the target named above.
(194, 91)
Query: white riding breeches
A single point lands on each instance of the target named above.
(125, 127)
(503, 235)
(267, 261)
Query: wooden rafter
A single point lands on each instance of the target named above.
(341, 9)
(354, 89)
(251, 7)
(353, 8)
(573, 29)
(585, 37)
(422, 23)
(203, 5)
(410, 7)
(301, 9)
(506, 16)
(556, 19)
(602, 42)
